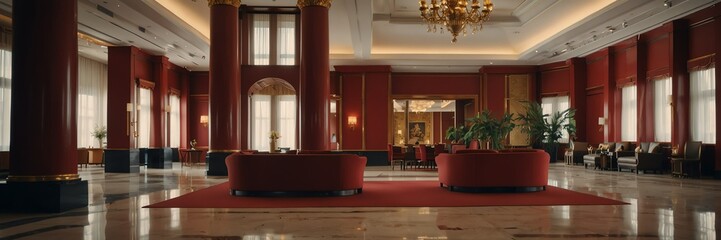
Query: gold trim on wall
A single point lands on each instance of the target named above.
(390, 112)
(43, 178)
(339, 107)
(223, 150)
(363, 111)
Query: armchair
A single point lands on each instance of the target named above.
(579, 149)
(649, 158)
(594, 158)
(690, 164)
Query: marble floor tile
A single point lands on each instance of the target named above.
(660, 207)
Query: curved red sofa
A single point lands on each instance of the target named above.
(295, 175)
(503, 171)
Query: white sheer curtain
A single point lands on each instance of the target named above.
(703, 105)
(285, 113)
(144, 120)
(286, 39)
(92, 99)
(5, 87)
(628, 113)
(551, 105)
(5, 94)
(261, 39)
(174, 121)
(662, 110)
(260, 124)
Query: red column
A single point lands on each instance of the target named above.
(314, 74)
(45, 64)
(43, 141)
(224, 76)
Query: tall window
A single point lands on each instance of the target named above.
(174, 121)
(662, 110)
(92, 98)
(273, 39)
(260, 125)
(261, 39)
(286, 120)
(703, 105)
(5, 90)
(628, 113)
(551, 105)
(286, 39)
(144, 119)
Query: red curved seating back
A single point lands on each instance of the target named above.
(503, 169)
(288, 172)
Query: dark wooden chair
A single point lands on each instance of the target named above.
(690, 164)
(395, 156)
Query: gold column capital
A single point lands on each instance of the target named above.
(305, 3)
(234, 3)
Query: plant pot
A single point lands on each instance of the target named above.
(552, 150)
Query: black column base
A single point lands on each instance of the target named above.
(159, 158)
(717, 174)
(43, 197)
(122, 161)
(216, 164)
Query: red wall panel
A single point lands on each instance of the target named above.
(495, 94)
(351, 85)
(555, 81)
(594, 110)
(376, 110)
(702, 38)
(658, 54)
(435, 84)
(198, 106)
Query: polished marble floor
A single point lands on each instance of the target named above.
(660, 207)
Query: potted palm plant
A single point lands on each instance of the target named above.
(455, 134)
(487, 128)
(545, 130)
(533, 123)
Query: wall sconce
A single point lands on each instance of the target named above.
(167, 108)
(670, 100)
(352, 122)
(204, 120)
(601, 121)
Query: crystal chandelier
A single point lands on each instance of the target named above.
(419, 105)
(455, 15)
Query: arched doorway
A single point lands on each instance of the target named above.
(272, 107)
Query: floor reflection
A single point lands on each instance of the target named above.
(660, 207)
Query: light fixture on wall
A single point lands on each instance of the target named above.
(601, 121)
(352, 122)
(167, 108)
(670, 99)
(454, 15)
(204, 120)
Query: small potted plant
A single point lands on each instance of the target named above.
(100, 133)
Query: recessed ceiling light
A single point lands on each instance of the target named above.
(536, 50)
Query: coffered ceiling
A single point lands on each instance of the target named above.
(390, 32)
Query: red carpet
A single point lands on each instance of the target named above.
(387, 194)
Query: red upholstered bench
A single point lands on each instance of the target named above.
(295, 175)
(504, 171)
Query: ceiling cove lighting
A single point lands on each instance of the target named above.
(455, 15)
